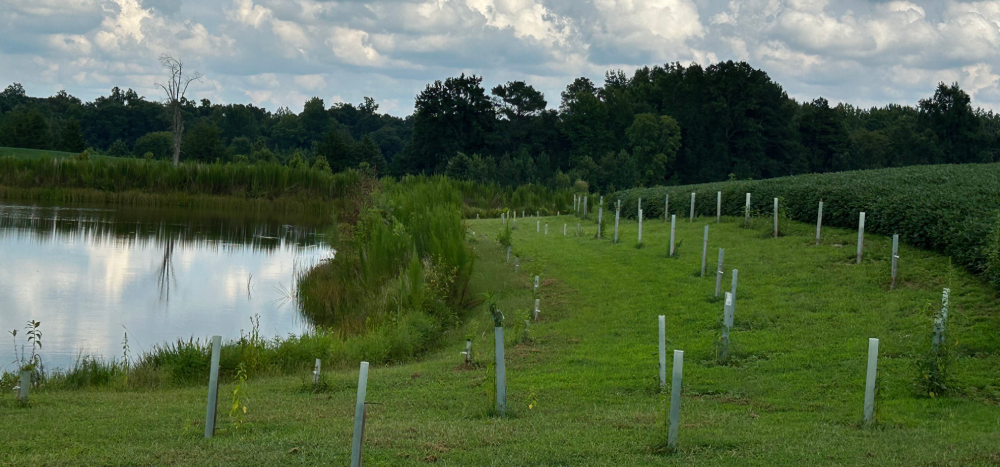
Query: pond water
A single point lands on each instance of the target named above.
(91, 274)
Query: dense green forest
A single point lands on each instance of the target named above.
(664, 125)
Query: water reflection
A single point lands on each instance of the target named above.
(130, 226)
(161, 273)
(166, 274)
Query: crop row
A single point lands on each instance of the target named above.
(952, 209)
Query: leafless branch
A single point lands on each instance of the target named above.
(175, 89)
(177, 85)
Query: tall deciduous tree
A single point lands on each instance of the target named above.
(175, 89)
(337, 147)
(450, 117)
(520, 110)
(367, 151)
(314, 118)
(459, 167)
(12, 97)
(824, 137)
(585, 119)
(655, 141)
(204, 143)
(950, 116)
(518, 100)
(72, 137)
(25, 128)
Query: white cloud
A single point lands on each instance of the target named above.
(353, 47)
(290, 32)
(727, 17)
(74, 43)
(703, 57)
(259, 96)
(914, 11)
(820, 31)
(655, 26)
(52, 7)
(278, 51)
(968, 35)
(779, 56)
(265, 79)
(246, 13)
(310, 82)
(738, 47)
(989, 10)
(526, 18)
(978, 77)
(808, 6)
(916, 77)
(127, 22)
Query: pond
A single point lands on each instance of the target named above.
(90, 275)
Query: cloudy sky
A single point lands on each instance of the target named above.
(281, 52)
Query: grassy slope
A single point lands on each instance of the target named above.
(793, 395)
(22, 153)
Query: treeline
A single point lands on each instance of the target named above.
(125, 124)
(663, 125)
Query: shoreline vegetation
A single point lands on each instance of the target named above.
(400, 279)
(136, 181)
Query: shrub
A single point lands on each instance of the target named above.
(403, 277)
(160, 144)
(489, 199)
(505, 235)
(119, 149)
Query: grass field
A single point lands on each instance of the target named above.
(583, 390)
(21, 153)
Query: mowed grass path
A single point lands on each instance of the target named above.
(583, 390)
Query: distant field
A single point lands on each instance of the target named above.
(31, 153)
(21, 153)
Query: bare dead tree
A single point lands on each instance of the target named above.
(175, 89)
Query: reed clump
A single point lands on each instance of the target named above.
(123, 179)
(406, 260)
(490, 199)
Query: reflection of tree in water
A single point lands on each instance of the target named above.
(166, 271)
(158, 227)
(165, 229)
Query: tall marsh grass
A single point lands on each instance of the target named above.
(141, 177)
(407, 256)
(488, 200)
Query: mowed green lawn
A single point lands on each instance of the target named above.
(583, 390)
